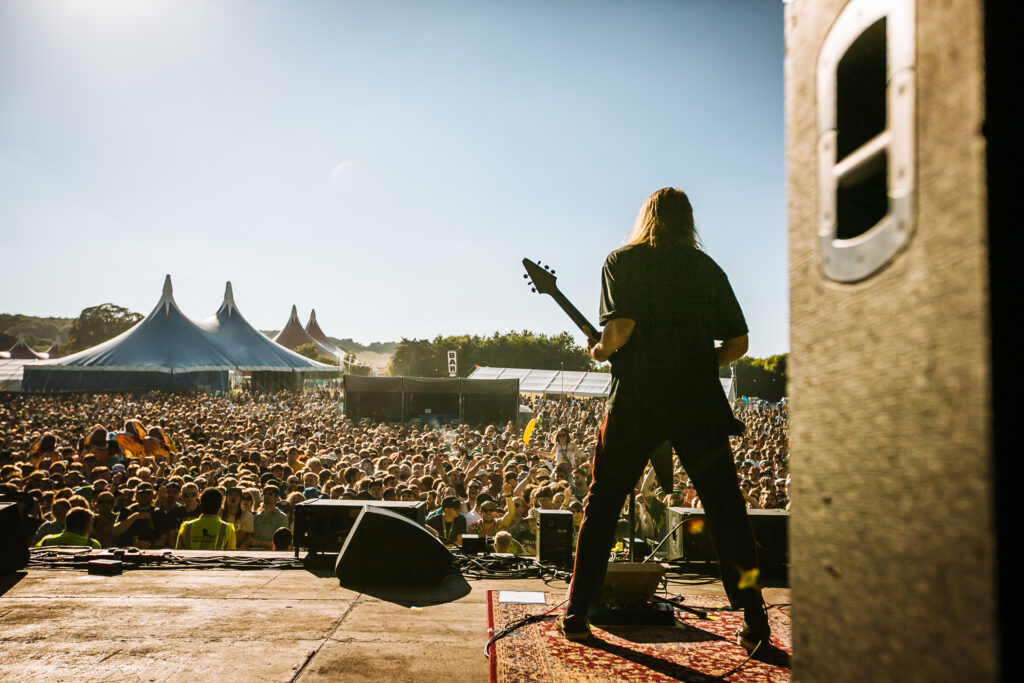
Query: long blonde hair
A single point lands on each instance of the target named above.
(665, 218)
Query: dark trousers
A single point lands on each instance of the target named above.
(623, 447)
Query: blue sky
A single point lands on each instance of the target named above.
(388, 163)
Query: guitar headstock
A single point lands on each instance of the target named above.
(541, 277)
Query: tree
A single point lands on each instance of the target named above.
(7, 341)
(313, 353)
(97, 324)
(525, 349)
(762, 377)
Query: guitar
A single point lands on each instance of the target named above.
(542, 278)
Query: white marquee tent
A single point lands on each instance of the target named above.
(572, 382)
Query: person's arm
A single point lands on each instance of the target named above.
(510, 508)
(575, 455)
(125, 524)
(252, 543)
(647, 486)
(614, 336)
(439, 465)
(646, 523)
(470, 472)
(732, 349)
(568, 497)
(648, 481)
(506, 521)
(525, 482)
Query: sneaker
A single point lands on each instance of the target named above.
(573, 634)
(750, 638)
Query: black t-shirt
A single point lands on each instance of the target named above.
(174, 517)
(682, 303)
(144, 529)
(447, 530)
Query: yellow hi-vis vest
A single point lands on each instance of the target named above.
(206, 533)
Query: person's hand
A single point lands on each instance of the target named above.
(507, 489)
(591, 339)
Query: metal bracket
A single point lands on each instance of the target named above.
(852, 260)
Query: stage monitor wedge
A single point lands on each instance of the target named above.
(322, 524)
(385, 548)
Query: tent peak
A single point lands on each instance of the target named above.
(312, 315)
(167, 298)
(295, 314)
(229, 298)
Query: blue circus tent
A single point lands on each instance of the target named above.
(271, 365)
(164, 351)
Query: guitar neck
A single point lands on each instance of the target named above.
(573, 313)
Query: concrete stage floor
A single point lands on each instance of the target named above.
(253, 625)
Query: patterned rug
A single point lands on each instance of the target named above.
(694, 650)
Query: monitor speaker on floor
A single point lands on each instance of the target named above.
(13, 545)
(691, 542)
(554, 537)
(386, 548)
(322, 524)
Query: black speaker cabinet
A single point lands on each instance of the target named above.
(892, 542)
(688, 541)
(386, 548)
(13, 544)
(554, 537)
(691, 542)
(322, 524)
(472, 544)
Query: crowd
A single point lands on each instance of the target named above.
(201, 471)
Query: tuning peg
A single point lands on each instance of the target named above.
(533, 289)
(552, 272)
(525, 275)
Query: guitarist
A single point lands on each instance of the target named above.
(664, 302)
